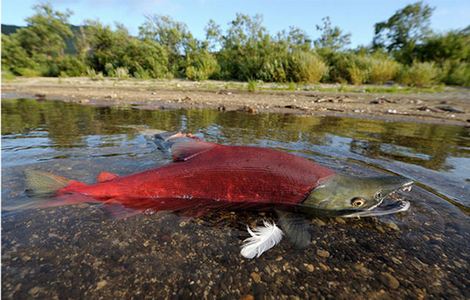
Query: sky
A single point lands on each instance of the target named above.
(353, 16)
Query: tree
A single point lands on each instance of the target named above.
(295, 39)
(171, 34)
(106, 47)
(46, 32)
(331, 38)
(453, 45)
(404, 30)
(213, 35)
(14, 57)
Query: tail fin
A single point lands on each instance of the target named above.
(40, 183)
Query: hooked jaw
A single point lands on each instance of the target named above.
(391, 185)
(351, 196)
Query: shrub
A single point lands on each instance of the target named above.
(456, 73)
(91, 73)
(141, 73)
(339, 65)
(383, 69)
(420, 74)
(252, 86)
(7, 75)
(201, 65)
(109, 70)
(292, 86)
(272, 70)
(26, 72)
(71, 66)
(122, 73)
(306, 67)
(358, 75)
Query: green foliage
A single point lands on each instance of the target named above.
(306, 67)
(252, 86)
(456, 73)
(26, 72)
(93, 75)
(201, 66)
(245, 51)
(420, 74)
(67, 65)
(14, 57)
(122, 73)
(292, 86)
(174, 36)
(404, 30)
(7, 75)
(44, 37)
(453, 45)
(331, 38)
(109, 70)
(145, 55)
(382, 69)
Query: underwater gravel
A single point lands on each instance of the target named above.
(79, 252)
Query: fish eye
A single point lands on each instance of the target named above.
(357, 202)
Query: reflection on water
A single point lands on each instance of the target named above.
(411, 149)
(78, 252)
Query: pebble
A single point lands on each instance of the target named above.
(318, 222)
(362, 269)
(396, 260)
(393, 226)
(256, 277)
(389, 280)
(340, 220)
(34, 291)
(101, 284)
(323, 253)
(247, 297)
(309, 267)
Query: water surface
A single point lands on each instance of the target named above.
(79, 251)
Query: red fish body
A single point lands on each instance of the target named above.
(205, 172)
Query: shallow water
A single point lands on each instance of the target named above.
(79, 251)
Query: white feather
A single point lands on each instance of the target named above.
(262, 239)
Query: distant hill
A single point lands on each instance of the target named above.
(70, 49)
(9, 29)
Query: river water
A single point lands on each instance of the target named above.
(81, 252)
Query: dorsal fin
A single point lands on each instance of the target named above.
(186, 150)
(106, 176)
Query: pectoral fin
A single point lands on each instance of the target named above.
(295, 227)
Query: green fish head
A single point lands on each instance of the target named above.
(357, 196)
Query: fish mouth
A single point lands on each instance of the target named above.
(387, 205)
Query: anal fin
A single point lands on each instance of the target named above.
(296, 228)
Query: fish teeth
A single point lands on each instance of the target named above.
(407, 188)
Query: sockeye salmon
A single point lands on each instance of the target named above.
(206, 175)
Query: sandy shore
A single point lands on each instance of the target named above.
(451, 106)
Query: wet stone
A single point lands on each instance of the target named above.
(309, 267)
(389, 280)
(101, 284)
(323, 253)
(393, 226)
(256, 277)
